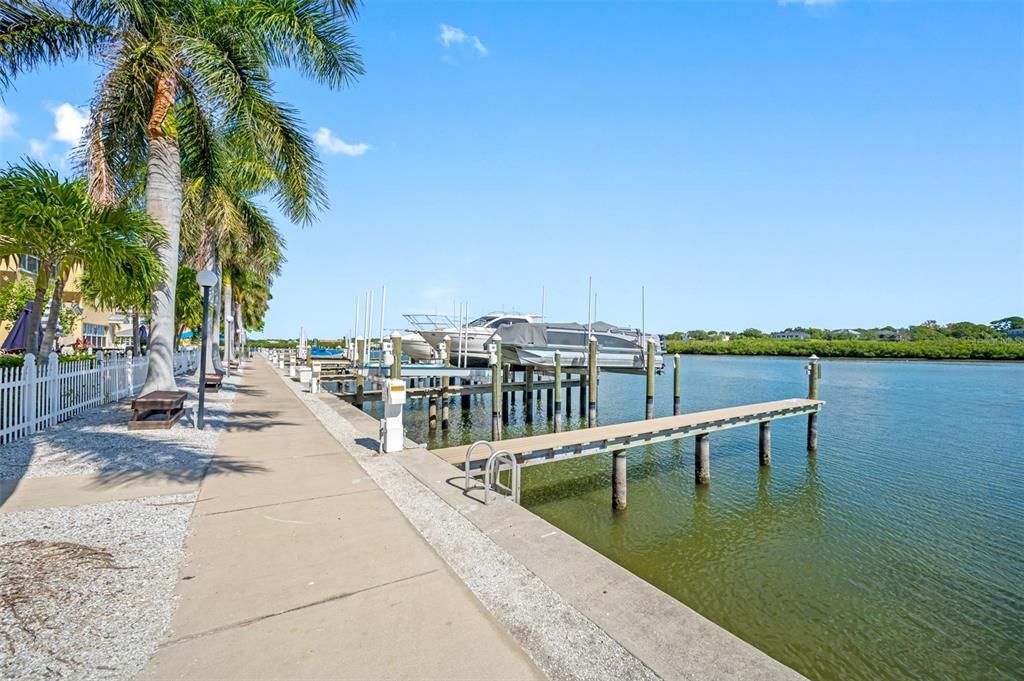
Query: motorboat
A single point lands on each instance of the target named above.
(416, 348)
(619, 350)
(468, 344)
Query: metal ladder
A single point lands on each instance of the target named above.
(498, 460)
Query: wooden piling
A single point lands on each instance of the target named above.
(702, 459)
(650, 379)
(583, 394)
(496, 392)
(529, 394)
(396, 353)
(619, 480)
(431, 413)
(466, 396)
(360, 360)
(592, 381)
(677, 384)
(765, 443)
(558, 392)
(813, 374)
(445, 384)
(504, 395)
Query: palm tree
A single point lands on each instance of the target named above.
(55, 221)
(176, 71)
(226, 230)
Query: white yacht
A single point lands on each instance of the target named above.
(619, 350)
(468, 344)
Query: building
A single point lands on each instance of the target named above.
(848, 333)
(99, 327)
(790, 334)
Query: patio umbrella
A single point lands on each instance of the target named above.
(17, 339)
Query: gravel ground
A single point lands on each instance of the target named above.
(86, 591)
(560, 640)
(98, 442)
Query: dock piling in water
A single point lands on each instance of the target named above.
(650, 378)
(702, 459)
(813, 374)
(619, 480)
(592, 380)
(765, 443)
(558, 391)
(445, 383)
(496, 392)
(529, 394)
(360, 360)
(677, 384)
(396, 354)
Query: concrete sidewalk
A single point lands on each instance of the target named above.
(303, 568)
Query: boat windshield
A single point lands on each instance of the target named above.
(483, 321)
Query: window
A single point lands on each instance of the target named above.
(29, 263)
(482, 321)
(95, 334)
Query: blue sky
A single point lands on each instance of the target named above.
(752, 164)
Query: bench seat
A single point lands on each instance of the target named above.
(166, 405)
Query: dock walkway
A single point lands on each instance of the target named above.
(538, 449)
(306, 569)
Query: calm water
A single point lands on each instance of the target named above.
(895, 553)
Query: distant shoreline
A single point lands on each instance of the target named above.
(974, 350)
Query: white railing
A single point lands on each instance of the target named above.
(35, 397)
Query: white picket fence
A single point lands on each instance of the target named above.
(35, 397)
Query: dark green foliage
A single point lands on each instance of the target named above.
(943, 349)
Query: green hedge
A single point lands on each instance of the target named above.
(19, 360)
(944, 349)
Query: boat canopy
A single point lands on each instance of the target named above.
(537, 334)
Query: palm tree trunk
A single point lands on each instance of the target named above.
(136, 340)
(163, 203)
(229, 327)
(51, 320)
(42, 283)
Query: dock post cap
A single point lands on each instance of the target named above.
(496, 338)
(447, 338)
(359, 338)
(814, 358)
(592, 337)
(396, 334)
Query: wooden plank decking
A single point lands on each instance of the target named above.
(587, 441)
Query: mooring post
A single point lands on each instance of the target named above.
(592, 381)
(583, 393)
(765, 443)
(702, 459)
(549, 404)
(650, 379)
(619, 480)
(677, 384)
(504, 395)
(529, 394)
(558, 391)
(467, 387)
(496, 392)
(431, 412)
(360, 357)
(813, 374)
(396, 351)
(445, 383)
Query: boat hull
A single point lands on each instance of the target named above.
(576, 360)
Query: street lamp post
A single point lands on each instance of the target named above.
(206, 279)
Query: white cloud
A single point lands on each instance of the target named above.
(7, 121)
(70, 123)
(325, 139)
(38, 149)
(453, 35)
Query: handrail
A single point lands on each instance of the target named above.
(469, 452)
(492, 469)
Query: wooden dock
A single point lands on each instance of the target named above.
(488, 458)
(451, 391)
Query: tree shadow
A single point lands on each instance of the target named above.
(252, 420)
(99, 444)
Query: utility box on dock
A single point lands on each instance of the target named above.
(392, 432)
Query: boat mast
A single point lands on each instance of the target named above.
(383, 295)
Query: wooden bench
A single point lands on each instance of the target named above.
(168, 402)
(213, 382)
